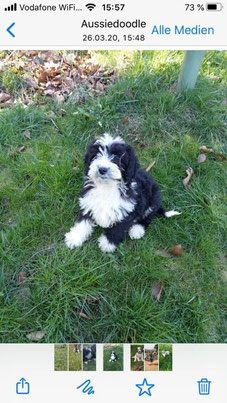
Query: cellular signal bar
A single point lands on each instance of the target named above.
(13, 7)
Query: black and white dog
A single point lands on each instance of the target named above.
(113, 357)
(117, 195)
(89, 353)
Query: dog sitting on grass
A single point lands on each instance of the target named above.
(117, 195)
(113, 357)
(139, 355)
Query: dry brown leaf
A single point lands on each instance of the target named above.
(152, 163)
(201, 158)
(220, 156)
(46, 55)
(141, 146)
(33, 53)
(157, 290)
(18, 151)
(43, 76)
(27, 134)
(84, 315)
(32, 83)
(4, 97)
(5, 105)
(49, 91)
(36, 336)
(186, 181)
(22, 277)
(92, 300)
(176, 250)
(125, 120)
(21, 149)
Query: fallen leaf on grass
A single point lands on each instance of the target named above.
(173, 251)
(201, 158)
(33, 53)
(20, 150)
(176, 250)
(31, 83)
(27, 134)
(49, 91)
(220, 156)
(125, 120)
(84, 315)
(4, 97)
(5, 105)
(186, 181)
(46, 55)
(157, 290)
(152, 163)
(141, 146)
(36, 336)
(22, 277)
(92, 300)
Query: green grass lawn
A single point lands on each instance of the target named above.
(113, 366)
(165, 363)
(39, 189)
(60, 357)
(75, 359)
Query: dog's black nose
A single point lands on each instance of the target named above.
(103, 170)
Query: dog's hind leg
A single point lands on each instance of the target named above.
(137, 231)
(79, 233)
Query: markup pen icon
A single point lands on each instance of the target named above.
(22, 387)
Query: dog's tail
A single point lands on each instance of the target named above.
(167, 214)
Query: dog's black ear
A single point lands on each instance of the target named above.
(91, 152)
(130, 164)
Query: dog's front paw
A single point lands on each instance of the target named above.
(136, 231)
(105, 245)
(73, 239)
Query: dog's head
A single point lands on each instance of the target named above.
(139, 350)
(110, 159)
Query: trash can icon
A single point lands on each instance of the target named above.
(204, 386)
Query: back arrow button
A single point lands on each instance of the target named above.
(9, 29)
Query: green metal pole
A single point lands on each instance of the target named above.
(190, 69)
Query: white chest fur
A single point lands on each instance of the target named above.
(105, 204)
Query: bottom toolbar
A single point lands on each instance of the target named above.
(163, 372)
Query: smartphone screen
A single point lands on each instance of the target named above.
(113, 201)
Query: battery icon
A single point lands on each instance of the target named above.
(214, 6)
